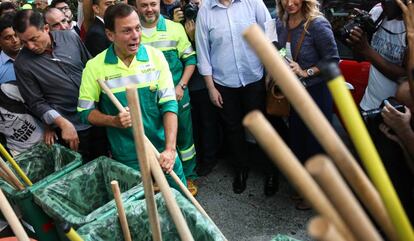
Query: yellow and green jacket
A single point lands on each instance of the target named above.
(150, 74)
(171, 38)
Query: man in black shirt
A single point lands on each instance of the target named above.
(48, 72)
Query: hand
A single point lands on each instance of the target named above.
(358, 40)
(189, 26)
(387, 132)
(123, 119)
(408, 15)
(49, 136)
(178, 15)
(179, 92)
(167, 160)
(215, 97)
(297, 69)
(399, 122)
(70, 135)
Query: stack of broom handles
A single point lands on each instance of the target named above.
(341, 216)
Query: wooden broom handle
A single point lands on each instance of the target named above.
(320, 127)
(321, 229)
(287, 162)
(121, 211)
(10, 174)
(12, 219)
(142, 157)
(146, 166)
(329, 179)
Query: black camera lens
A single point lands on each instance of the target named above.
(190, 11)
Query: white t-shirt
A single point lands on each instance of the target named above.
(149, 31)
(392, 47)
(21, 130)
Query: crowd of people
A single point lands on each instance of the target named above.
(196, 77)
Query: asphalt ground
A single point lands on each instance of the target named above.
(251, 216)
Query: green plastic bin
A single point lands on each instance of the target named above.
(42, 164)
(108, 228)
(85, 194)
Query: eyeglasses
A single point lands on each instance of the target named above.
(64, 9)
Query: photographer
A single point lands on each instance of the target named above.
(386, 52)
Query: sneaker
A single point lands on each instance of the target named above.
(192, 187)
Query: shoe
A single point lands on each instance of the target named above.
(205, 168)
(192, 187)
(271, 185)
(239, 183)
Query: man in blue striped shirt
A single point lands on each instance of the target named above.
(231, 70)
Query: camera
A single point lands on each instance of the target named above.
(359, 18)
(190, 10)
(374, 115)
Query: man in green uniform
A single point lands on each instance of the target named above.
(127, 62)
(172, 40)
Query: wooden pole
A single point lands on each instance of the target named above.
(7, 179)
(142, 156)
(320, 127)
(12, 219)
(15, 165)
(121, 212)
(329, 179)
(287, 162)
(321, 229)
(138, 128)
(11, 175)
(182, 186)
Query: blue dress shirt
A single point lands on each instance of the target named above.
(221, 50)
(6, 68)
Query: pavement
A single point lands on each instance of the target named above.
(251, 216)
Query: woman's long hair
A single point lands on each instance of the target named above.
(310, 11)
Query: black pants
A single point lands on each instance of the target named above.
(205, 126)
(92, 143)
(237, 103)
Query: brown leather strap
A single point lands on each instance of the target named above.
(299, 43)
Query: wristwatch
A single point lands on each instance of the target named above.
(183, 86)
(310, 72)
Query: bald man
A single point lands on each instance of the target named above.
(56, 19)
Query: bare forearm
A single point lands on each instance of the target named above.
(170, 128)
(208, 79)
(390, 70)
(61, 122)
(98, 118)
(188, 72)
